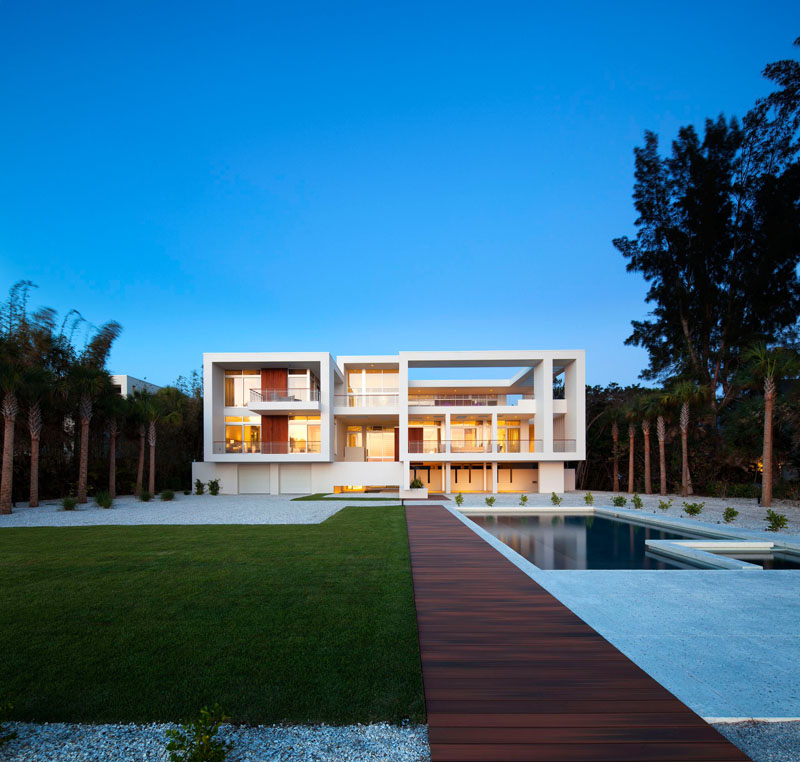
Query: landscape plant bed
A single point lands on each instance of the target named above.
(278, 623)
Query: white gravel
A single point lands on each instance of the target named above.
(751, 514)
(380, 742)
(184, 509)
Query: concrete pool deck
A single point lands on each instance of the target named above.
(724, 642)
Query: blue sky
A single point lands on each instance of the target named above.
(351, 177)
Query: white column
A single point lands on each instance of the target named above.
(447, 432)
(493, 447)
(403, 456)
(543, 389)
(447, 489)
(494, 478)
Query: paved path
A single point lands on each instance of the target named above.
(512, 674)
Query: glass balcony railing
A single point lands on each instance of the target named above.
(295, 447)
(460, 447)
(284, 395)
(564, 445)
(436, 399)
(368, 399)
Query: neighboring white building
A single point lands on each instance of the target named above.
(127, 385)
(302, 422)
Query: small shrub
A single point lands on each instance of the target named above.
(490, 501)
(588, 498)
(69, 503)
(416, 484)
(664, 505)
(730, 514)
(213, 486)
(776, 521)
(618, 501)
(555, 499)
(199, 487)
(145, 496)
(459, 499)
(523, 500)
(187, 492)
(196, 741)
(167, 494)
(5, 710)
(637, 501)
(692, 509)
(104, 499)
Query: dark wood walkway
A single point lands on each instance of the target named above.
(511, 674)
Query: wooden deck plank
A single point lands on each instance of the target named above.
(511, 674)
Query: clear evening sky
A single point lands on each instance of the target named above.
(351, 177)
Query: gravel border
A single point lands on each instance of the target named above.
(68, 742)
(764, 741)
(183, 509)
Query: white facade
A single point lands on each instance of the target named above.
(304, 422)
(127, 385)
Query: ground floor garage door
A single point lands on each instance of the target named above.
(254, 479)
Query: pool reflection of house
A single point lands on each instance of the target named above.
(304, 422)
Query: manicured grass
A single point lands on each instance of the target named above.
(277, 623)
(345, 498)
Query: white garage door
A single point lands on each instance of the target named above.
(254, 480)
(295, 480)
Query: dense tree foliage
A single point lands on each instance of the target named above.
(66, 430)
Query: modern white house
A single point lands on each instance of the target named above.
(126, 385)
(304, 422)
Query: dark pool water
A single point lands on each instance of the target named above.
(580, 542)
(597, 542)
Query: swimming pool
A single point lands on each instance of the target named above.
(557, 541)
(575, 541)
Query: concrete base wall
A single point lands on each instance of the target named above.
(551, 477)
(295, 478)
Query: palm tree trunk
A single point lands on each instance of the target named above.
(151, 440)
(685, 449)
(648, 486)
(35, 430)
(33, 500)
(615, 474)
(631, 439)
(140, 467)
(766, 455)
(661, 432)
(10, 409)
(85, 413)
(112, 458)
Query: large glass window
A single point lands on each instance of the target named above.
(354, 436)
(238, 384)
(508, 435)
(371, 387)
(242, 434)
(424, 435)
(380, 442)
(304, 433)
(470, 435)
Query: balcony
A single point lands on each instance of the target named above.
(564, 445)
(378, 398)
(486, 446)
(284, 401)
(436, 399)
(295, 447)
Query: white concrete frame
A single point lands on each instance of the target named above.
(559, 424)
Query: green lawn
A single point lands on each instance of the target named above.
(277, 623)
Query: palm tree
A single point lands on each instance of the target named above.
(684, 394)
(137, 404)
(656, 406)
(156, 408)
(90, 381)
(632, 414)
(37, 383)
(615, 440)
(768, 366)
(10, 383)
(113, 408)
